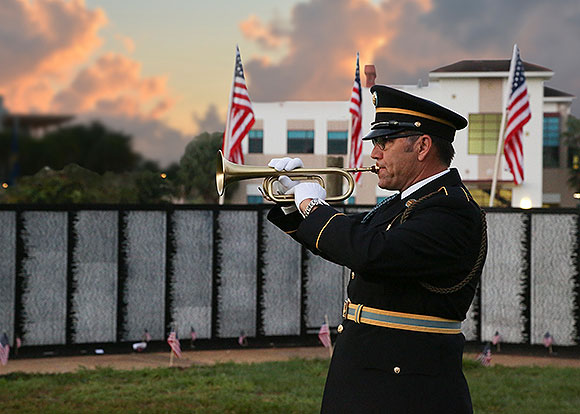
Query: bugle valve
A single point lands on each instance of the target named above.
(228, 172)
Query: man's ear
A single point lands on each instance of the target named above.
(423, 145)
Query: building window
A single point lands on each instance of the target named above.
(255, 199)
(483, 133)
(337, 142)
(503, 197)
(551, 148)
(256, 142)
(301, 141)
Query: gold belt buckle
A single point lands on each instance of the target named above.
(345, 308)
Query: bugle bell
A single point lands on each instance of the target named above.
(228, 172)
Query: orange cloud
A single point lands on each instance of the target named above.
(323, 37)
(267, 36)
(43, 41)
(58, 36)
(113, 84)
(48, 44)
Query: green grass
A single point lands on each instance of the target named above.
(273, 387)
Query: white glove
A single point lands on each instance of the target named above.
(306, 189)
(285, 164)
(284, 184)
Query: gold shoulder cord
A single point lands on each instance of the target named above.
(482, 249)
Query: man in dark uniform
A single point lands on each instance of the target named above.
(416, 259)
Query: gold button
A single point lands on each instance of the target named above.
(396, 370)
(339, 328)
(352, 275)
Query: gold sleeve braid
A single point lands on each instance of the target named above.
(324, 227)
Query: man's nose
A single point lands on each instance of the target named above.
(376, 153)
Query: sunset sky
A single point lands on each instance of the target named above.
(162, 70)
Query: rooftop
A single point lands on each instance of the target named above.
(498, 65)
(555, 93)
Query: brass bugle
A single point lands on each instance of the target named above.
(228, 172)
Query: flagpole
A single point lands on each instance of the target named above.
(348, 145)
(226, 140)
(501, 130)
(497, 159)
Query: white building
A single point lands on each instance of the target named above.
(317, 132)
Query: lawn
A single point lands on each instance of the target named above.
(272, 387)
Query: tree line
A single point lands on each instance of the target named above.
(88, 164)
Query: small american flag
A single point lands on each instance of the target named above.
(355, 159)
(496, 340)
(548, 340)
(4, 349)
(243, 339)
(147, 336)
(485, 356)
(324, 335)
(518, 114)
(240, 115)
(174, 344)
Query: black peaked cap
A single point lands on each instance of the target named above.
(398, 111)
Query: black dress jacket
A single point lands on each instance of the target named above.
(400, 261)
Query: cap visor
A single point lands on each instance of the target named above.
(380, 132)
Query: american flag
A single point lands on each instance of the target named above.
(485, 356)
(518, 114)
(174, 344)
(548, 340)
(243, 339)
(355, 159)
(496, 338)
(324, 335)
(240, 115)
(4, 349)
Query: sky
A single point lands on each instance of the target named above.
(162, 70)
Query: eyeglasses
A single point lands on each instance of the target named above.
(381, 142)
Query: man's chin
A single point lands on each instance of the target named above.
(386, 186)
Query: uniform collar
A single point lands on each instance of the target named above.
(409, 191)
(451, 179)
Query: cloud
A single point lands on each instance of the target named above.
(407, 39)
(114, 85)
(268, 36)
(210, 122)
(42, 41)
(52, 48)
(324, 36)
